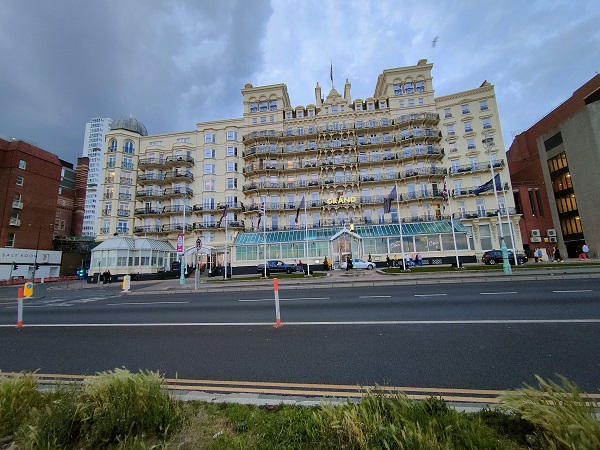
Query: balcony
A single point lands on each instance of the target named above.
(146, 211)
(123, 212)
(483, 213)
(122, 230)
(111, 164)
(146, 229)
(417, 195)
(107, 195)
(178, 192)
(127, 166)
(230, 205)
(145, 178)
(123, 196)
(14, 222)
(104, 230)
(187, 161)
(126, 180)
(148, 194)
(475, 167)
(461, 192)
(179, 175)
(176, 209)
(109, 179)
(106, 212)
(176, 227)
(17, 204)
(204, 207)
(150, 162)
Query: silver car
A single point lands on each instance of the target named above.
(359, 264)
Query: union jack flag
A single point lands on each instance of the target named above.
(261, 213)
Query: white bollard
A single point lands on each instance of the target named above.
(277, 315)
(126, 283)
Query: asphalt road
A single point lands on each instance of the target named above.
(493, 335)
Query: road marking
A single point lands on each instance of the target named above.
(144, 303)
(429, 295)
(283, 299)
(375, 296)
(577, 290)
(497, 293)
(272, 324)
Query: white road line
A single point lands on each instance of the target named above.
(282, 299)
(375, 296)
(144, 303)
(497, 293)
(577, 290)
(429, 295)
(272, 324)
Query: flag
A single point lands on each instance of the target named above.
(300, 206)
(387, 202)
(444, 196)
(261, 213)
(243, 207)
(222, 217)
(331, 72)
(488, 186)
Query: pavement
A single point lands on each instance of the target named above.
(343, 278)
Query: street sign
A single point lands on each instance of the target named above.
(198, 244)
(180, 243)
(28, 289)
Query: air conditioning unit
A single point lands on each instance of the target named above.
(553, 239)
(551, 232)
(535, 233)
(535, 239)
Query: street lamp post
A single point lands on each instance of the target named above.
(182, 272)
(488, 143)
(37, 247)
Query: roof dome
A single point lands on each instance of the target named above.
(129, 124)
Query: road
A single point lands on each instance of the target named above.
(495, 335)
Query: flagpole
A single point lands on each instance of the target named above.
(452, 225)
(306, 238)
(226, 273)
(511, 230)
(265, 235)
(400, 225)
(488, 143)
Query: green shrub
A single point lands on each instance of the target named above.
(118, 405)
(563, 413)
(18, 396)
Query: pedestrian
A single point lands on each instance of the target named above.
(557, 257)
(105, 277)
(419, 260)
(325, 264)
(348, 263)
(388, 261)
(300, 266)
(536, 254)
(586, 250)
(369, 258)
(395, 260)
(108, 276)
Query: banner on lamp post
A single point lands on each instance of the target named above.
(180, 243)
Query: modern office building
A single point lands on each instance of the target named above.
(345, 157)
(93, 148)
(554, 167)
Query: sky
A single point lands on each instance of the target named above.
(173, 63)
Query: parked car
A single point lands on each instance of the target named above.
(359, 264)
(276, 266)
(492, 257)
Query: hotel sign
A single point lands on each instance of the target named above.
(341, 200)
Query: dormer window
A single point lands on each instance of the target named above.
(358, 107)
(299, 114)
(334, 109)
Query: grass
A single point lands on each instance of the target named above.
(121, 410)
(260, 277)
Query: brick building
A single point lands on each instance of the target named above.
(29, 182)
(553, 168)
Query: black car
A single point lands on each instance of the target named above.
(492, 257)
(276, 266)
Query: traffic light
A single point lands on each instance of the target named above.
(15, 266)
(37, 266)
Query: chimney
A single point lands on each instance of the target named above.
(318, 95)
(347, 96)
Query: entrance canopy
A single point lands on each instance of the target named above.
(360, 231)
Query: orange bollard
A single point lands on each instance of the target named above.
(20, 308)
(20, 293)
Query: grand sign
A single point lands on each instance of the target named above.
(341, 200)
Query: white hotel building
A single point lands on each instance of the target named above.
(343, 155)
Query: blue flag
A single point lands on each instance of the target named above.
(488, 186)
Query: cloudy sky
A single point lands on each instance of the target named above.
(172, 63)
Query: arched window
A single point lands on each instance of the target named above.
(112, 147)
(128, 147)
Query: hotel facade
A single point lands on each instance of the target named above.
(342, 156)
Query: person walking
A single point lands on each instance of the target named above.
(395, 260)
(388, 261)
(348, 263)
(369, 258)
(557, 257)
(419, 260)
(585, 249)
(536, 255)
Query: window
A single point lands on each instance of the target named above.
(468, 127)
(483, 106)
(112, 147)
(273, 105)
(210, 153)
(20, 181)
(411, 102)
(453, 147)
(153, 143)
(465, 108)
(22, 164)
(209, 169)
(486, 123)
(209, 185)
(210, 138)
(263, 119)
(10, 242)
(447, 112)
(408, 88)
(421, 101)
(231, 183)
(232, 135)
(263, 106)
(397, 89)
(271, 118)
(183, 139)
(232, 151)
(231, 167)
(470, 144)
(401, 103)
(420, 86)
(450, 130)
(254, 121)
(128, 147)
(382, 104)
(253, 107)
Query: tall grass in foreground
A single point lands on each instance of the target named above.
(18, 396)
(563, 413)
